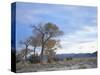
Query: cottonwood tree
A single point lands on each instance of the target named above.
(35, 42)
(50, 48)
(26, 43)
(46, 32)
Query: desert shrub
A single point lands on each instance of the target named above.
(34, 59)
(56, 59)
(18, 58)
(68, 58)
(49, 61)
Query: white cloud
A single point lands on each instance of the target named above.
(79, 41)
(87, 47)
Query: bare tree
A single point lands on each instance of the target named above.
(35, 42)
(46, 32)
(26, 43)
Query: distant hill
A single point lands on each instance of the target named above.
(80, 55)
(95, 53)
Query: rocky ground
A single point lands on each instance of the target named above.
(77, 63)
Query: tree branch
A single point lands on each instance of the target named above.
(47, 38)
(38, 29)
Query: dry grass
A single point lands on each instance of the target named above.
(75, 63)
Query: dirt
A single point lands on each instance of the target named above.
(61, 65)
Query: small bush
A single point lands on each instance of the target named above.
(18, 58)
(34, 59)
(68, 59)
(56, 59)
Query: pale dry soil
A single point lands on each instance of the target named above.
(76, 63)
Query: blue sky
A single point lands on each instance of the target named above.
(79, 24)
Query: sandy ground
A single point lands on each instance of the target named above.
(83, 63)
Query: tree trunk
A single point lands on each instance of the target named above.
(34, 50)
(43, 45)
(26, 53)
(41, 55)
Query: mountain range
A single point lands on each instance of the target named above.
(79, 55)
